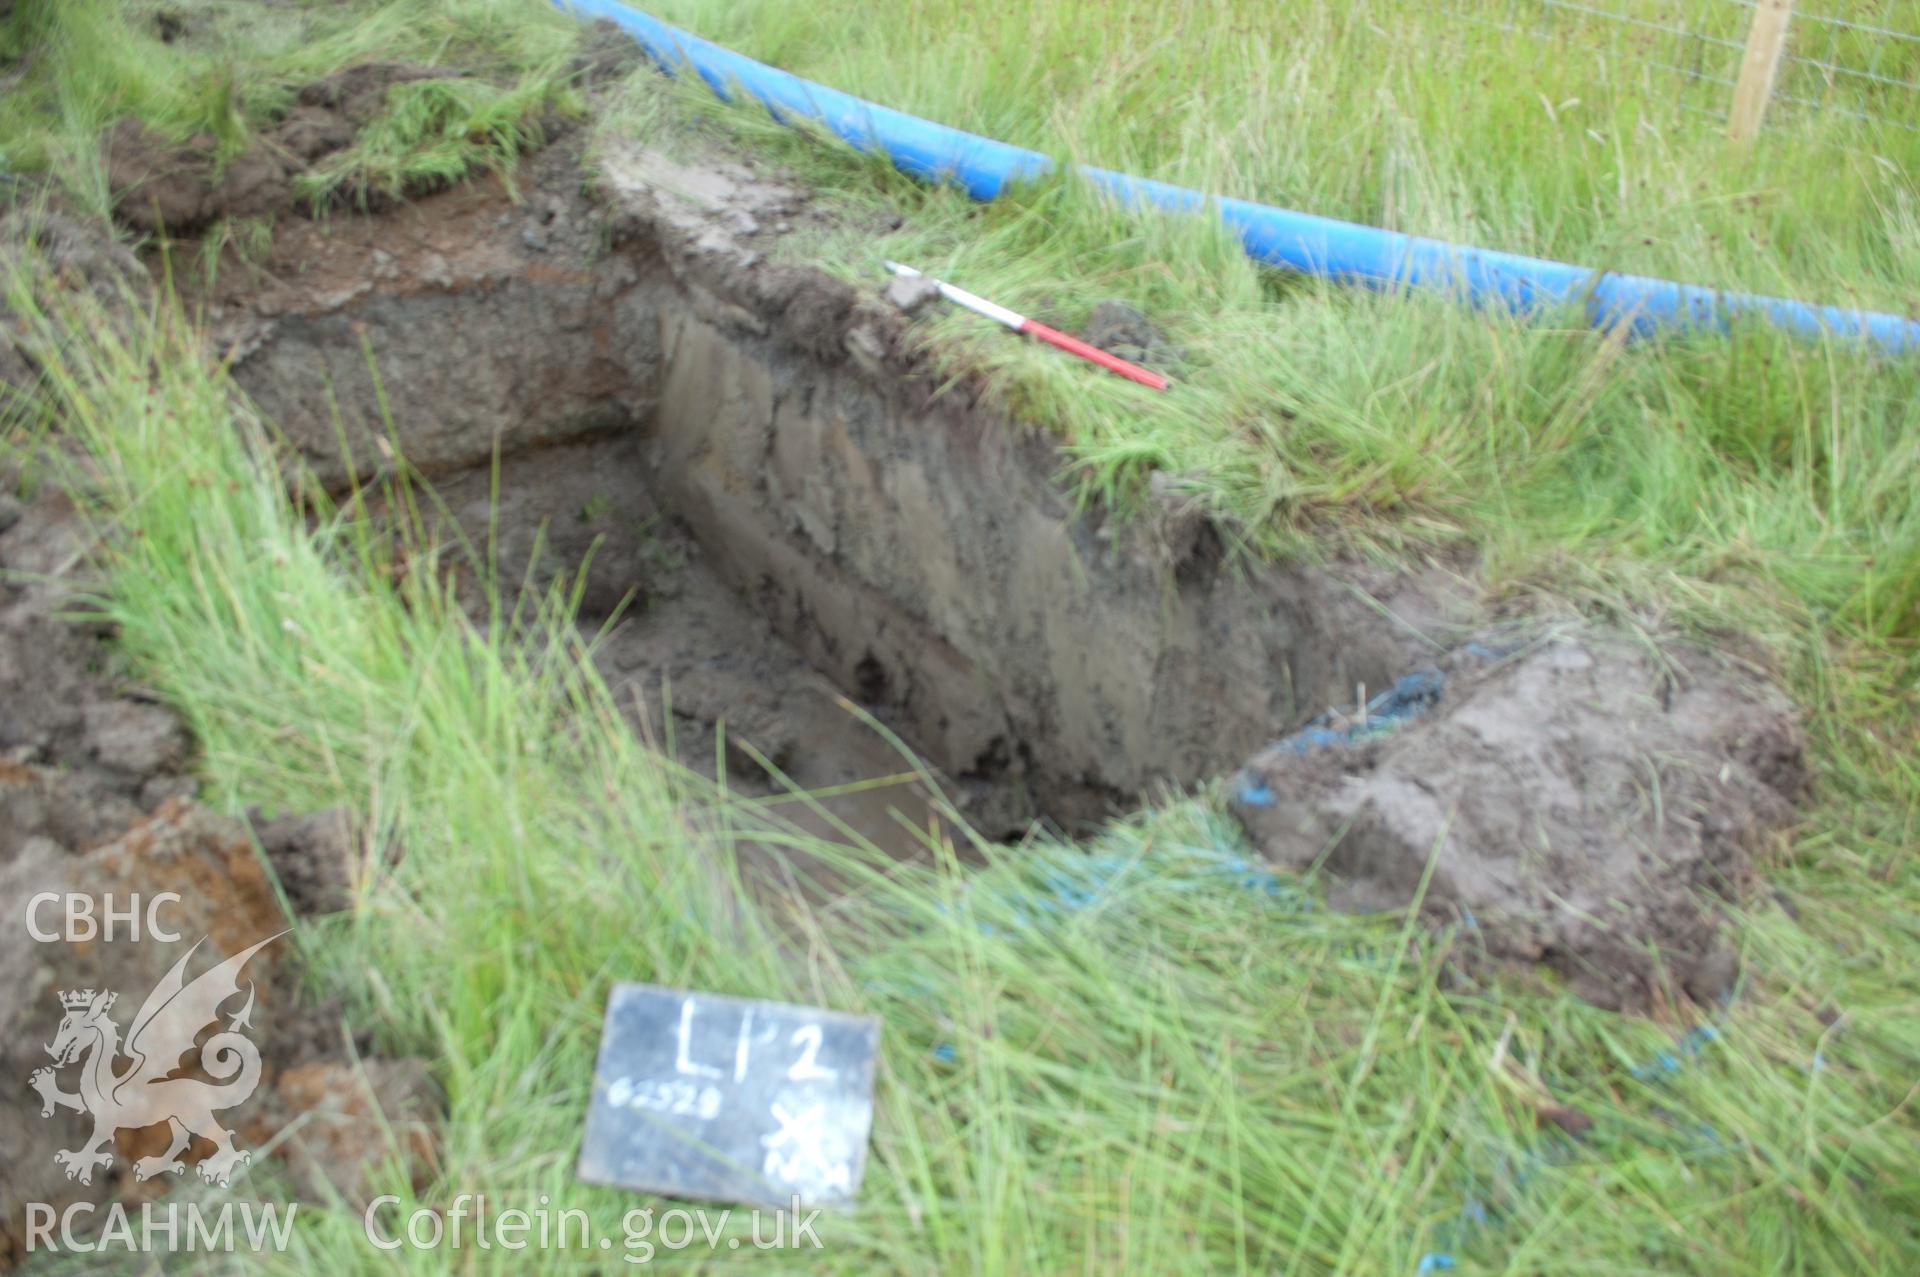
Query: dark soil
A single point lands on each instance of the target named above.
(699, 669)
(87, 750)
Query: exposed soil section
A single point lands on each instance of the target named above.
(1580, 801)
(910, 546)
(700, 669)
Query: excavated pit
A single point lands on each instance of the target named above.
(794, 518)
(796, 515)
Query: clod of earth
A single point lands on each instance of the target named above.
(181, 189)
(81, 755)
(1578, 802)
(606, 53)
(313, 857)
(74, 253)
(353, 1117)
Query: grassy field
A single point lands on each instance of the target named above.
(1200, 1070)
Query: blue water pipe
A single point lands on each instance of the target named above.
(1321, 246)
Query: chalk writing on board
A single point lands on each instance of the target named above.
(802, 1151)
(665, 1097)
(700, 1095)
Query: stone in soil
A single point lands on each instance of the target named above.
(912, 293)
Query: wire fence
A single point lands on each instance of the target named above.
(1858, 60)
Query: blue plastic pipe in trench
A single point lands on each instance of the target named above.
(1321, 246)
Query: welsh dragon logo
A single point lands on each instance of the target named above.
(143, 1093)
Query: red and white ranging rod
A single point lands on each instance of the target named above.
(1034, 328)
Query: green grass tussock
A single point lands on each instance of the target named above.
(434, 133)
(230, 67)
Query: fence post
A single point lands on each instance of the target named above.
(1766, 39)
